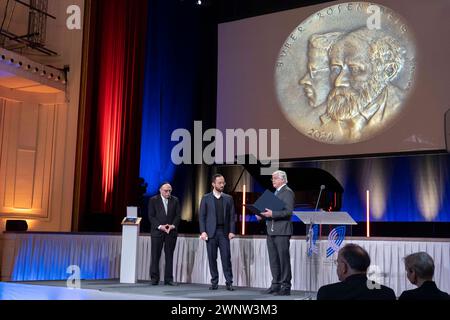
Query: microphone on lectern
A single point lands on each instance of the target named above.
(318, 199)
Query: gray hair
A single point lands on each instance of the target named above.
(421, 263)
(282, 175)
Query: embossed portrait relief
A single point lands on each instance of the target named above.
(339, 80)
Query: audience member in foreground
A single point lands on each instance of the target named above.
(420, 271)
(352, 264)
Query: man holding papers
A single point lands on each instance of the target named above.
(279, 232)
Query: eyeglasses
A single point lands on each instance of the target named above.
(167, 191)
(276, 178)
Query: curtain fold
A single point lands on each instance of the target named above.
(113, 109)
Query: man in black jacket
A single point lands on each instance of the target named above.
(420, 271)
(164, 214)
(352, 264)
(217, 228)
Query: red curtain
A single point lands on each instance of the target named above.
(113, 112)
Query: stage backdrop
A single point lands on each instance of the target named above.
(179, 88)
(282, 71)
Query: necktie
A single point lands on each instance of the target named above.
(165, 205)
(276, 192)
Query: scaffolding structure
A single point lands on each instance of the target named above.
(37, 26)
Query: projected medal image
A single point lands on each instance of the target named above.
(345, 73)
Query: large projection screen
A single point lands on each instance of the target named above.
(339, 78)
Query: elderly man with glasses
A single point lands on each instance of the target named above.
(164, 213)
(279, 232)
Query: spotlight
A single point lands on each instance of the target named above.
(199, 2)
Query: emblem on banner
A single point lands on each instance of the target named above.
(313, 236)
(335, 239)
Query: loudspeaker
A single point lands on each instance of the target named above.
(447, 130)
(16, 225)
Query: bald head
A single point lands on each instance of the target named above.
(165, 190)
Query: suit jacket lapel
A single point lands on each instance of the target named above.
(211, 200)
(169, 205)
(161, 206)
(224, 209)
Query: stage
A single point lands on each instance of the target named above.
(46, 257)
(143, 290)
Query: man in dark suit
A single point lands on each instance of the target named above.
(279, 232)
(164, 214)
(420, 271)
(217, 228)
(352, 264)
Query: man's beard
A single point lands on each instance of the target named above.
(345, 103)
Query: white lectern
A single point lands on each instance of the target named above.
(130, 236)
(320, 217)
(323, 217)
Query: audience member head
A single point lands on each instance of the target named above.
(352, 259)
(419, 268)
